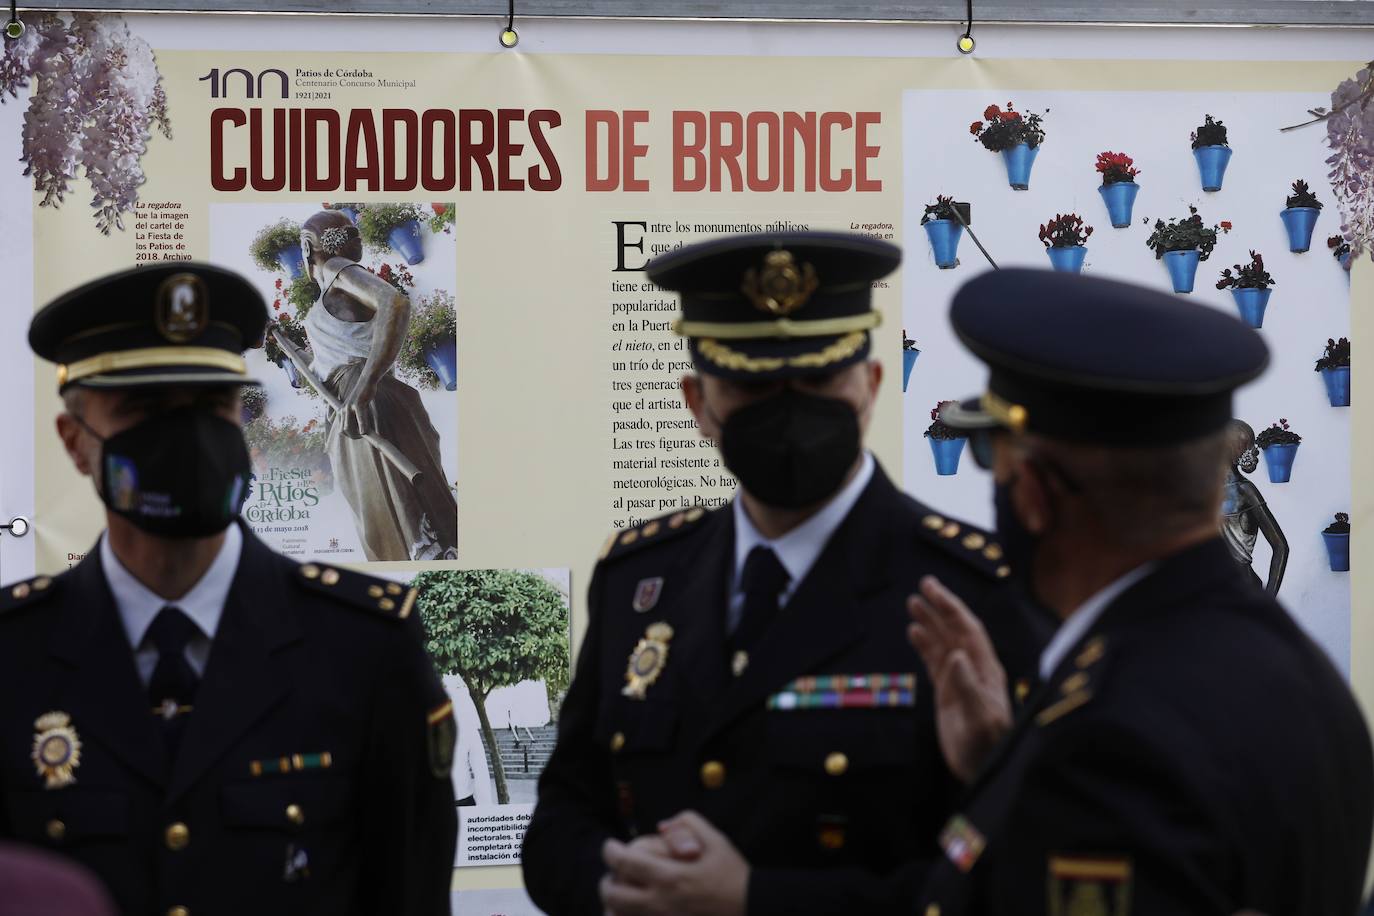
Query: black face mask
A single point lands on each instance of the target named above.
(792, 449)
(179, 474)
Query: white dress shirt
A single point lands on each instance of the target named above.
(1077, 625)
(204, 603)
(798, 549)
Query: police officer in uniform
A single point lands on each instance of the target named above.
(210, 727)
(744, 676)
(1189, 750)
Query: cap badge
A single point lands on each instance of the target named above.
(782, 286)
(647, 661)
(182, 308)
(56, 749)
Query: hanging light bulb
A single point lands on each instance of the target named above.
(14, 29)
(966, 44)
(509, 37)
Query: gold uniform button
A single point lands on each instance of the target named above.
(41, 583)
(836, 764)
(933, 522)
(617, 742)
(713, 774)
(21, 591)
(1003, 572)
(375, 591)
(394, 589)
(178, 837)
(295, 815)
(651, 529)
(178, 911)
(330, 577)
(56, 830)
(694, 514)
(310, 571)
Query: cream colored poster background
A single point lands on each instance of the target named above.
(534, 269)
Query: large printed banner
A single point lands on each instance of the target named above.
(479, 222)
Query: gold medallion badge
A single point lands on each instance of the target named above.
(647, 660)
(56, 749)
(782, 286)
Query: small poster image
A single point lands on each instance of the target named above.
(353, 431)
(500, 641)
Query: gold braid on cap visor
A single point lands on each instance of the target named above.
(152, 357)
(719, 354)
(782, 328)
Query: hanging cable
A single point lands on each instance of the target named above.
(965, 44)
(14, 29)
(509, 37)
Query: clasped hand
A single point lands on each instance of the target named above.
(688, 868)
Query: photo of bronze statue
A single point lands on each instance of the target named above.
(1245, 515)
(381, 443)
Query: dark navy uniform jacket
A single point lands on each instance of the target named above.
(1195, 753)
(313, 773)
(831, 806)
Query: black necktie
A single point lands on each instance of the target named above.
(762, 581)
(172, 689)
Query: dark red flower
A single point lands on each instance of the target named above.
(991, 112)
(975, 127)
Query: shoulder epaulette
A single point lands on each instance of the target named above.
(381, 596)
(30, 591)
(654, 531)
(969, 543)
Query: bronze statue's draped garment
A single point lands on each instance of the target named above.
(395, 520)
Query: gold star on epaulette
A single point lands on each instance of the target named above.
(970, 544)
(388, 599)
(24, 593)
(654, 531)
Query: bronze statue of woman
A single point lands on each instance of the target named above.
(356, 328)
(1244, 514)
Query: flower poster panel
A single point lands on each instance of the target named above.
(476, 621)
(1309, 301)
(389, 270)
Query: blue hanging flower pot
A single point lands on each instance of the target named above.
(1337, 385)
(947, 452)
(1182, 267)
(1119, 196)
(405, 239)
(443, 359)
(1299, 221)
(291, 260)
(1211, 165)
(944, 237)
(1019, 160)
(1278, 460)
(908, 361)
(1069, 259)
(1337, 551)
(1251, 304)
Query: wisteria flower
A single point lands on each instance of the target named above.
(97, 95)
